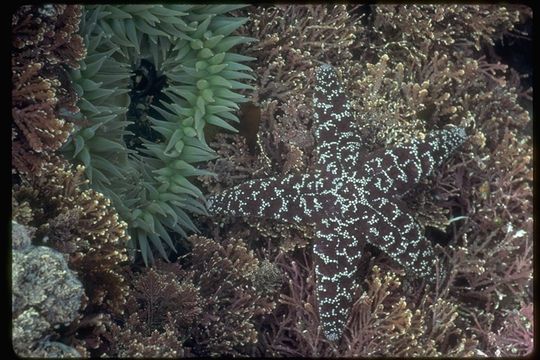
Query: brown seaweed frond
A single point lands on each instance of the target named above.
(83, 225)
(45, 45)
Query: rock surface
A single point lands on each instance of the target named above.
(45, 295)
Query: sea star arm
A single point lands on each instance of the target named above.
(285, 198)
(336, 252)
(395, 170)
(392, 229)
(336, 132)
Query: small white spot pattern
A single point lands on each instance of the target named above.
(351, 198)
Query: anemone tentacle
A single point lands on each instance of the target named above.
(153, 78)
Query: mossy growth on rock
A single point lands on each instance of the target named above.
(153, 78)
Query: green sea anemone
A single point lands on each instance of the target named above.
(153, 77)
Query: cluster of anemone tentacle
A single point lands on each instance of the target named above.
(153, 78)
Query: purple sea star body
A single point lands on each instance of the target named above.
(351, 198)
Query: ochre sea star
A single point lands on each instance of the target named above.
(351, 198)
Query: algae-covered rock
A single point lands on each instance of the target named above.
(21, 236)
(45, 295)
